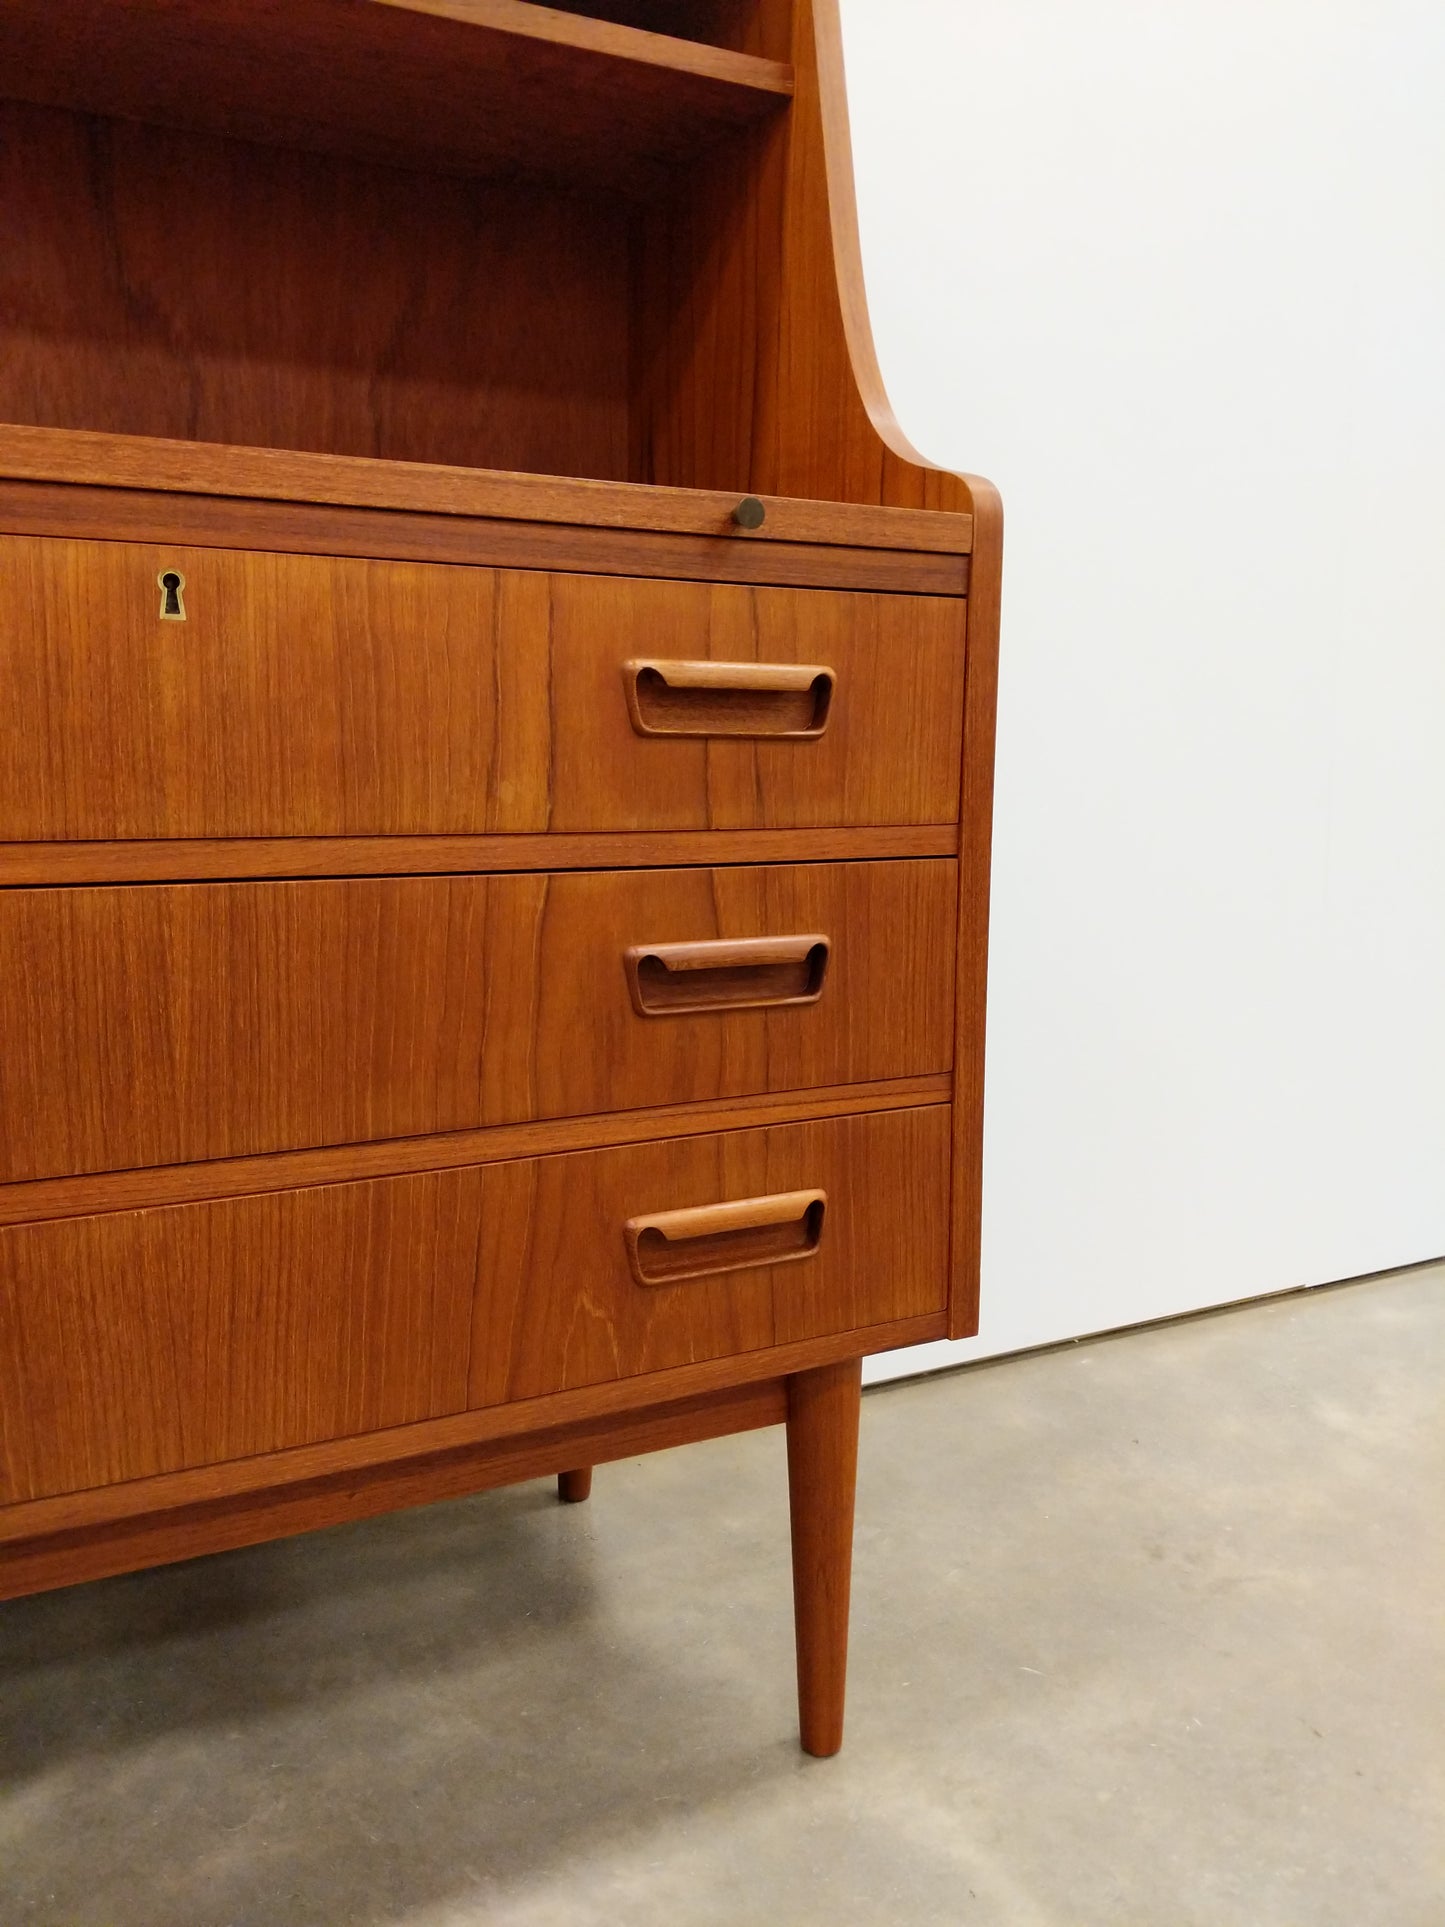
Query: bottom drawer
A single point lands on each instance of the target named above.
(149, 1341)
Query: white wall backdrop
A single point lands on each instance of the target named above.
(1174, 278)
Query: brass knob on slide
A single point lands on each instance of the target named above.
(749, 513)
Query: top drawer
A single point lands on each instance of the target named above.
(316, 696)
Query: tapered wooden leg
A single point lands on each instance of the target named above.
(574, 1487)
(822, 1474)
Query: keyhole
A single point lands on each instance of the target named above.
(172, 582)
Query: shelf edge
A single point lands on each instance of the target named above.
(586, 35)
(96, 458)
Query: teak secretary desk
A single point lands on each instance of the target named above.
(495, 765)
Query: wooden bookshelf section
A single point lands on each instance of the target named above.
(495, 774)
(486, 87)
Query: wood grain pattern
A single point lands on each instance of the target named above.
(112, 514)
(161, 1025)
(558, 1307)
(757, 371)
(155, 283)
(475, 86)
(402, 1446)
(142, 1343)
(182, 858)
(306, 695)
(148, 1341)
(823, 1410)
(146, 463)
(31, 1201)
(889, 753)
(40, 1561)
(422, 448)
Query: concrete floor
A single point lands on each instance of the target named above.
(1145, 1631)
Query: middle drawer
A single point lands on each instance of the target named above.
(162, 1024)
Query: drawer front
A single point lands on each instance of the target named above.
(312, 695)
(150, 1341)
(559, 1303)
(161, 1024)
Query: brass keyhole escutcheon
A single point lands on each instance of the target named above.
(172, 586)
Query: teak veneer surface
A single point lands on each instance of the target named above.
(756, 367)
(307, 695)
(242, 1326)
(473, 86)
(157, 1025)
(181, 859)
(558, 1306)
(310, 528)
(29, 1201)
(404, 1447)
(221, 1521)
(148, 1341)
(162, 284)
(152, 463)
(435, 344)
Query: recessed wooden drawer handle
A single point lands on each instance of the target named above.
(668, 979)
(672, 1246)
(728, 698)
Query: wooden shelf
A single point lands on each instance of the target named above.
(722, 23)
(490, 87)
(287, 475)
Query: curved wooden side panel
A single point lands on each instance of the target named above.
(906, 474)
(755, 367)
(827, 424)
